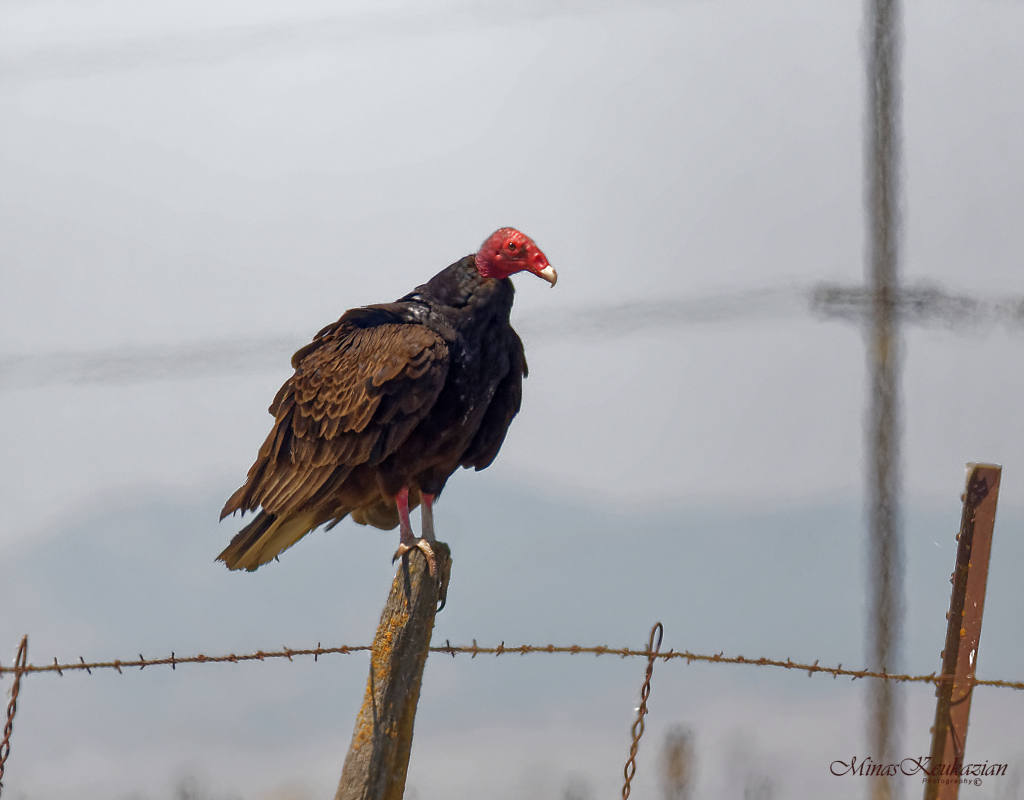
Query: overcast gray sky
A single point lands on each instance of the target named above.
(179, 174)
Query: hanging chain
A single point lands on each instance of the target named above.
(653, 646)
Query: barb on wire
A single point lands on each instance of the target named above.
(653, 646)
(20, 661)
(173, 660)
(838, 671)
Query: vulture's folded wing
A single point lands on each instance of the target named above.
(504, 405)
(358, 391)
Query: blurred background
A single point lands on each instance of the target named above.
(189, 191)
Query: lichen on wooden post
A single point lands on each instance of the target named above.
(378, 757)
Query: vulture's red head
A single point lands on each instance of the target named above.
(508, 251)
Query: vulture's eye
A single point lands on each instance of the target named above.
(511, 247)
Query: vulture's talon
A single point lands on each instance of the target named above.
(442, 585)
(406, 580)
(424, 547)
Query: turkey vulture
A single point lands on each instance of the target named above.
(386, 403)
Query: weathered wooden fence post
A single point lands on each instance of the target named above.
(378, 758)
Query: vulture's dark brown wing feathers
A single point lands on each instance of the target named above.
(357, 392)
(390, 397)
(505, 404)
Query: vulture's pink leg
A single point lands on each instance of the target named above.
(405, 526)
(427, 516)
(427, 528)
(408, 541)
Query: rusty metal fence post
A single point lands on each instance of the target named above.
(963, 630)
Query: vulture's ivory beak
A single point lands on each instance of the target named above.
(548, 274)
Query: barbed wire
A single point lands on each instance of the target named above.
(123, 365)
(473, 650)
(923, 304)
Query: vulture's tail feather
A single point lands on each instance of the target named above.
(264, 538)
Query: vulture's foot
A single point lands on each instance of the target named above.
(424, 547)
(442, 577)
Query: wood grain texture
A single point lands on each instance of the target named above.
(378, 758)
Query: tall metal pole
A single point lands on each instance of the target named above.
(885, 554)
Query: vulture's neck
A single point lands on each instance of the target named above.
(460, 285)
